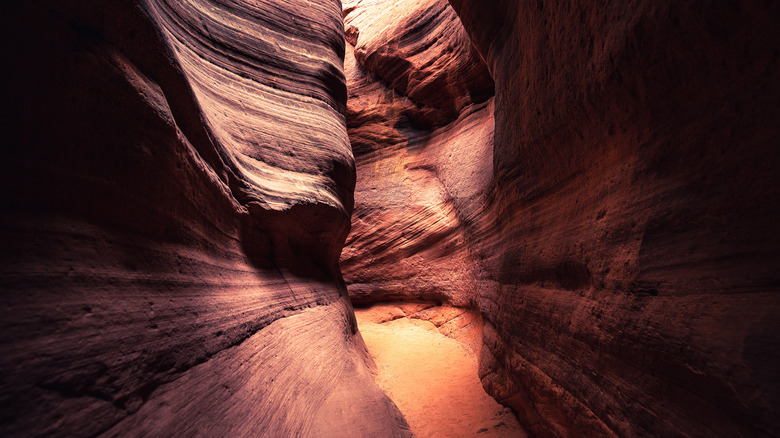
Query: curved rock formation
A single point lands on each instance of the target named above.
(633, 236)
(598, 180)
(176, 192)
(616, 229)
(420, 151)
(420, 50)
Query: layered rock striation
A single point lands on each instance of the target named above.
(610, 212)
(598, 181)
(420, 151)
(632, 238)
(421, 51)
(177, 188)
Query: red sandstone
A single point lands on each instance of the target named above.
(597, 182)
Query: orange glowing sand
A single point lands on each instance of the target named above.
(433, 380)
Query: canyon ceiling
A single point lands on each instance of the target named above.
(194, 193)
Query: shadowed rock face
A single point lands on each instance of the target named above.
(422, 52)
(177, 186)
(420, 151)
(614, 224)
(178, 182)
(633, 238)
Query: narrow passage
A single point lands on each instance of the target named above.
(433, 378)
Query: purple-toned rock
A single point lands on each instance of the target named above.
(177, 188)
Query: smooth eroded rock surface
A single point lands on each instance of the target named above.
(611, 212)
(177, 187)
(419, 184)
(599, 181)
(631, 232)
(420, 50)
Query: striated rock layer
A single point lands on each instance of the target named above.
(420, 50)
(631, 232)
(420, 151)
(177, 187)
(611, 212)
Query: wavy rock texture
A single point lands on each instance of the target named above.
(616, 229)
(176, 191)
(631, 232)
(420, 151)
(178, 183)
(421, 51)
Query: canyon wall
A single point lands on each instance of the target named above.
(632, 226)
(600, 181)
(177, 187)
(420, 121)
(610, 212)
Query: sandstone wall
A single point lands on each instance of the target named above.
(176, 188)
(632, 230)
(615, 223)
(420, 121)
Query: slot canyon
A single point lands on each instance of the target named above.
(390, 218)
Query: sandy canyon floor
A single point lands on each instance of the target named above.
(432, 378)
